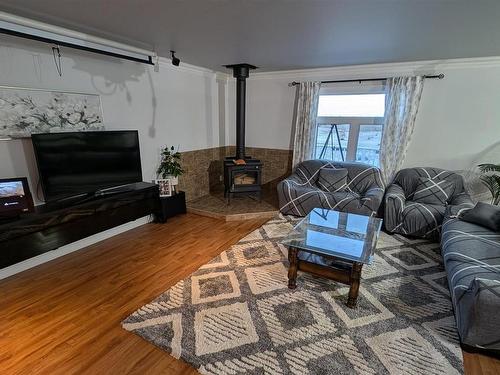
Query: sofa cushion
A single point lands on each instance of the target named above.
(408, 178)
(431, 191)
(421, 220)
(332, 179)
(484, 214)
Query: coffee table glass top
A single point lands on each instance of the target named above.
(336, 234)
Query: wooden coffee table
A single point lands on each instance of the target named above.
(333, 244)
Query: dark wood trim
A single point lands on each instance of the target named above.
(340, 275)
(351, 275)
(354, 281)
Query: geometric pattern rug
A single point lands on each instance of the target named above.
(236, 315)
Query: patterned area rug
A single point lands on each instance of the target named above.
(235, 315)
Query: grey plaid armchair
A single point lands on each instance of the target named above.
(416, 201)
(361, 191)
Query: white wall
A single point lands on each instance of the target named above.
(176, 106)
(458, 119)
(459, 116)
(269, 112)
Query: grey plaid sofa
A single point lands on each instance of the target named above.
(299, 193)
(406, 215)
(471, 256)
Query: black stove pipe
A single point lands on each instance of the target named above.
(241, 73)
(241, 87)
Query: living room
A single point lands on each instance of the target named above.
(226, 187)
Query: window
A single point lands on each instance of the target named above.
(349, 127)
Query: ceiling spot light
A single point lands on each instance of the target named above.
(175, 60)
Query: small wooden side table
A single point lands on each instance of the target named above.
(334, 245)
(171, 206)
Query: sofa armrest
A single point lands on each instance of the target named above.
(298, 188)
(462, 199)
(372, 198)
(459, 203)
(394, 204)
(292, 194)
(478, 321)
(294, 179)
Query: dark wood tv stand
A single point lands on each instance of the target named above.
(53, 225)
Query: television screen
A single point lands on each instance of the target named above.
(15, 196)
(11, 189)
(70, 164)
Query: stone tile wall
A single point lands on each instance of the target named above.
(197, 164)
(204, 168)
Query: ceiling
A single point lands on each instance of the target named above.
(284, 34)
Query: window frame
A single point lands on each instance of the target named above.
(354, 126)
(354, 121)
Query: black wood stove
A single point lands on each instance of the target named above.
(242, 173)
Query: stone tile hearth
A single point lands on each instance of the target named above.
(241, 207)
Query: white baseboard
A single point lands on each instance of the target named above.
(69, 248)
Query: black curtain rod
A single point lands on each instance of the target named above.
(436, 76)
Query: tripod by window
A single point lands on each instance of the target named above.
(330, 142)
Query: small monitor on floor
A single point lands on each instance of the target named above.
(15, 197)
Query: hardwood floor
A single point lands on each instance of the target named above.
(481, 364)
(63, 317)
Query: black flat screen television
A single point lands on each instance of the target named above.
(71, 164)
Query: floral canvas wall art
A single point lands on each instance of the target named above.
(27, 111)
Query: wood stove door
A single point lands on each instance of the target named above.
(242, 180)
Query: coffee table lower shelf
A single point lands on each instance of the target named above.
(350, 276)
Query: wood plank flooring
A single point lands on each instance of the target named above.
(63, 317)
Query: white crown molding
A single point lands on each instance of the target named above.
(9, 41)
(385, 69)
(222, 77)
(30, 26)
(165, 62)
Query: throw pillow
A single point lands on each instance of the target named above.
(484, 214)
(332, 179)
(438, 192)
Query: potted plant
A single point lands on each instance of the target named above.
(170, 166)
(491, 179)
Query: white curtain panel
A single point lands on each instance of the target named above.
(401, 107)
(306, 110)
